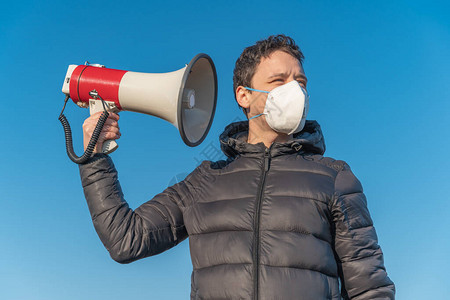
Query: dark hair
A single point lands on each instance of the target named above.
(251, 57)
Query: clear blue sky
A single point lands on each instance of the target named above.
(379, 82)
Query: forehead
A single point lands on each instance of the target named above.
(276, 63)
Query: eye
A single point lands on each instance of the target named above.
(277, 80)
(302, 83)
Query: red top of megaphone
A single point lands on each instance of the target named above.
(105, 81)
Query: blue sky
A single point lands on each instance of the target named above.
(379, 84)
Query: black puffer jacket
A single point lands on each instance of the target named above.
(277, 223)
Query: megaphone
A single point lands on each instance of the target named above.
(186, 98)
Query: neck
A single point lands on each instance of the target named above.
(261, 132)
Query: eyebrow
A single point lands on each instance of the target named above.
(284, 75)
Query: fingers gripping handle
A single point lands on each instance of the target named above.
(108, 146)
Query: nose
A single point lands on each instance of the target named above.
(290, 78)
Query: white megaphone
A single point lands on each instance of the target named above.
(186, 98)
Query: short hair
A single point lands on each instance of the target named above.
(250, 58)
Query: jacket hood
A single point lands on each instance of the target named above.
(233, 141)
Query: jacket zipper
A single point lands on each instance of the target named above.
(256, 237)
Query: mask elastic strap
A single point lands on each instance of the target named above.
(255, 116)
(255, 90)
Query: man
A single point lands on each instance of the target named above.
(277, 220)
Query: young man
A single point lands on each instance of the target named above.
(277, 220)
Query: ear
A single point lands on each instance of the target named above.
(242, 97)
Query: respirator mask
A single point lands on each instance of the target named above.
(286, 107)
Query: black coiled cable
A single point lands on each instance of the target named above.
(94, 138)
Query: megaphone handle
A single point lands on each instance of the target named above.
(108, 146)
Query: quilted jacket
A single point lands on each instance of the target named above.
(283, 222)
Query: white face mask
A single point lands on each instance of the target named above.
(286, 107)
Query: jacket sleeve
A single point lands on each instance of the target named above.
(129, 235)
(359, 256)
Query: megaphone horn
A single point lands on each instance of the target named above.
(186, 98)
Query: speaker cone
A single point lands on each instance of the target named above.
(197, 100)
